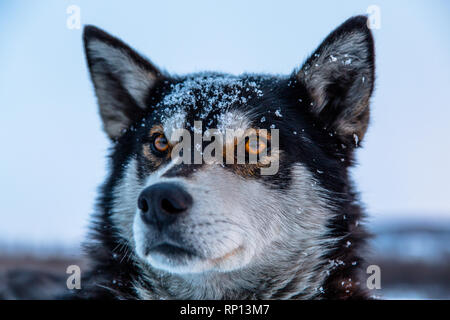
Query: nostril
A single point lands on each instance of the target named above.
(162, 203)
(172, 207)
(143, 204)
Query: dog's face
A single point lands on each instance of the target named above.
(183, 202)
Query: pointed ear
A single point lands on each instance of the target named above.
(121, 77)
(339, 76)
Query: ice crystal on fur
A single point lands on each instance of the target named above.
(208, 93)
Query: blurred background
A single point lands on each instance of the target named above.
(53, 149)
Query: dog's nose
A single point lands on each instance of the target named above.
(162, 203)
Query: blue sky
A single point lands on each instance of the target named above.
(53, 149)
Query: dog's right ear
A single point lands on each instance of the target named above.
(122, 79)
(340, 77)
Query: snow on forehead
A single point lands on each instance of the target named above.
(234, 120)
(206, 93)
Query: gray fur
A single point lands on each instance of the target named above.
(280, 235)
(250, 236)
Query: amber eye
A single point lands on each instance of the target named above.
(160, 143)
(255, 146)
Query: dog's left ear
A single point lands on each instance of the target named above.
(122, 79)
(339, 77)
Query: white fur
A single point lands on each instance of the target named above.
(135, 79)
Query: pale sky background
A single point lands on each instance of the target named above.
(53, 149)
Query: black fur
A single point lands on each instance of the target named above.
(322, 148)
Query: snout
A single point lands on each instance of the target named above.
(163, 203)
(175, 233)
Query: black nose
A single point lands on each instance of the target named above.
(162, 203)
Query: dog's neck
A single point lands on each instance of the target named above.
(298, 279)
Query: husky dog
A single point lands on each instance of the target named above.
(166, 229)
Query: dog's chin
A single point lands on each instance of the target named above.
(169, 256)
(178, 260)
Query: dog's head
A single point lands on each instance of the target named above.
(201, 208)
